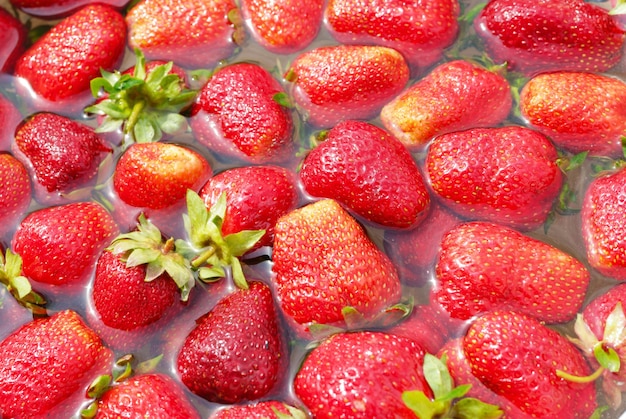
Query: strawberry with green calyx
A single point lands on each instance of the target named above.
(261, 410)
(213, 254)
(145, 104)
(18, 285)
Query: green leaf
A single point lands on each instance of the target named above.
(241, 242)
(21, 285)
(149, 365)
(607, 357)
(210, 274)
(144, 131)
(171, 123)
(471, 408)
(423, 407)
(142, 256)
(283, 100)
(238, 277)
(98, 84)
(139, 71)
(615, 327)
(437, 375)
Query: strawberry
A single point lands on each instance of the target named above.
(62, 155)
(426, 325)
(340, 82)
(541, 36)
(577, 111)
(260, 410)
(454, 96)
(60, 245)
(55, 9)
(15, 195)
(420, 32)
(256, 196)
(12, 39)
(514, 361)
(10, 117)
(603, 228)
(334, 169)
(236, 352)
(324, 263)
(45, 362)
(239, 113)
(508, 175)
(59, 75)
(283, 27)
(161, 28)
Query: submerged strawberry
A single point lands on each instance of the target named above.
(10, 118)
(15, 194)
(54, 9)
(260, 410)
(12, 40)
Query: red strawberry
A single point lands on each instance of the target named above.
(47, 361)
(10, 118)
(577, 111)
(54, 9)
(454, 96)
(340, 82)
(153, 395)
(237, 351)
(425, 325)
(324, 262)
(15, 194)
(260, 410)
(370, 172)
(284, 26)
(12, 39)
(603, 227)
(60, 65)
(508, 175)
(238, 113)
(61, 154)
(513, 361)
(60, 245)
(419, 30)
(161, 29)
(256, 196)
(534, 36)
(484, 266)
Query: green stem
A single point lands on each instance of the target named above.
(134, 116)
(203, 257)
(582, 380)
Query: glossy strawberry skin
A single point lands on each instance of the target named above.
(454, 96)
(256, 197)
(343, 82)
(60, 245)
(577, 111)
(260, 410)
(161, 30)
(323, 262)
(146, 395)
(246, 323)
(10, 118)
(361, 375)
(541, 36)
(285, 26)
(15, 194)
(420, 32)
(603, 226)
(98, 35)
(12, 39)
(512, 173)
(62, 154)
(236, 115)
(55, 9)
(427, 325)
(370, 172)
(45, 362)
(485, 266)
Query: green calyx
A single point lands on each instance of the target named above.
(18, 285)
(144, 105)
(445, 393)
(212, 254)
(145, 246)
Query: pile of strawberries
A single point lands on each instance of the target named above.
(285, 209)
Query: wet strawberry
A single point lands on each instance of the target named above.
(550, 35)
(427, 325)
(336, 83)
(54, 9)
(454, 96)
(12, 39)
(577, 111)
(10, 118)
(15, 195)
(370, 172)
(260, 410)
(239, 113)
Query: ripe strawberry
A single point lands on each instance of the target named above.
(603, 227)
(45, 362)
(341, 82)
(61, 154)
(517, 360)
(426, 325)
(540, 36)
(484, 266)
(15, 194)
(390, 192)
(577, 111)
(12, 40)
(324, 262)
(238, 113)
(260, 410)
(161, 29)
(420, 32)
(256, 196)
(507, 175)
(60, 65)
(54, 9)
(237, 351)
(285, 26)
(60, 245)
(10, 117)
(454, 96)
